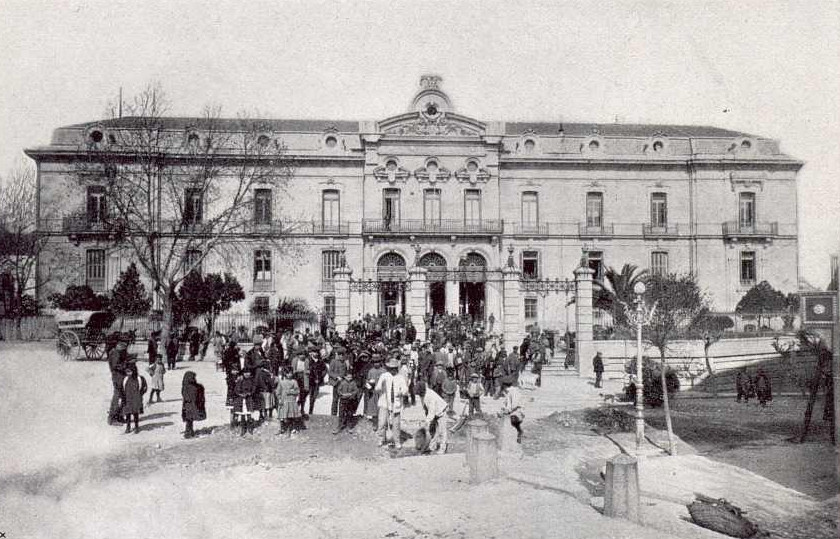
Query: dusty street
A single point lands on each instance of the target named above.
(66, 473)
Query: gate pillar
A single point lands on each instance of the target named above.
(416, 298)
(513, 314)
(584, 345)
(341, 279)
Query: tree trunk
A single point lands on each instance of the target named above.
(815, 389)
(166, 322)
(672, 446)
(712, 381)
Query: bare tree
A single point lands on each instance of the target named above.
(20, 245)
(177, 193)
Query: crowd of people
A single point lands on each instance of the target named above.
(376, 370)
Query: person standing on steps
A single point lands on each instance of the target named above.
(598, 367)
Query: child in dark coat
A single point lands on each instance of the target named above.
(348, 395)
(134, 387)
(192, 407)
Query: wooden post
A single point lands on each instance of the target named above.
(484, 460)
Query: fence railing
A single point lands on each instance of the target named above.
(31, 328)
(432, 226)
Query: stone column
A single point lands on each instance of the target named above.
(452, 298)
(341, 278)
(584, 345)
(621, 491)
(513, 316)
(416, 298)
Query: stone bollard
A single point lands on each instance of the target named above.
(474, 426)
(621, 492)
(484, 459)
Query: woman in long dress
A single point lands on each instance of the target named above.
(288, 409)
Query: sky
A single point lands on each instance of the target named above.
(766, 67)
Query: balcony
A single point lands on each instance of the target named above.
(660, 231)
(82, 227)
(296, 228)
(589, 231)
(444, 227)
(527, 229)
(755, 230)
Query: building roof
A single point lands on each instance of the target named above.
(619, 130)
(511, 128)
(184, 123)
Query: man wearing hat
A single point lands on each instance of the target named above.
(254, 357)
(391, 387)
(336, 372)
(474, 393)
(348, 393)
(435, 422)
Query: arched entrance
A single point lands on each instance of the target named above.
(471, 289)
(390, 272)
(435, 265)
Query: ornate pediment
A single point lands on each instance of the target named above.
(432, 173)
(391, 173)
(435, 123)
(472, 174)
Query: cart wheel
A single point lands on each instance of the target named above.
(95, 351)
(67, 346)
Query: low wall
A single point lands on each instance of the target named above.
(726, 357)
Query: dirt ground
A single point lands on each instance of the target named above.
(761, 439)
(65, 472)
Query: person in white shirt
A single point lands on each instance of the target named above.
(436, 409)
(513, 407)
(391, 388)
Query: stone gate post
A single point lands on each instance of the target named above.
(341, 279)
(513, 314)
(584, 346)
(416, 298)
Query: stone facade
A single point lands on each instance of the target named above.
(466, 199)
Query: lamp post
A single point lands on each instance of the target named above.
(639, 317)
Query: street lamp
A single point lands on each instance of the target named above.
(639, 317)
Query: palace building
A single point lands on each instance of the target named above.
(498, 214)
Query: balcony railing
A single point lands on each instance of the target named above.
(420, 226)
(756, 229)
(527, 229)
(655, 231)
(586, 230)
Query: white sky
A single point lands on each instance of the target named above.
(764, 67)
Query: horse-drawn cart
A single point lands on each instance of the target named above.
(82, 332)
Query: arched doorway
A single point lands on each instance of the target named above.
(436, 282)
(471, 289)
(390, 272)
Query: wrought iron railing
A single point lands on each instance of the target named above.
(661, 230)
(587, 230)
(736, 228)
(422, 226)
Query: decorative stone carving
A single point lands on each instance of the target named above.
(391, 173)
(472, 174)
(433, 125)
(432, 173)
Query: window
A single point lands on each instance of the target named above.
(659, 263)
(746, 210)
(330, 260)
(530, 265)
(96, 208)
(260, 305)
(530, 210)
(594, 210)
(596, 263)
(330, 209)
(472, 206)
(191, 260)
(193, 206)
(262, 206)
(431, 207)
(748, 267)
(262, 266)
(390, 208)
(530, 308)
(329, 307)
(658, 210)
(95, 269)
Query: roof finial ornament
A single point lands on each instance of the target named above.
(430, 82)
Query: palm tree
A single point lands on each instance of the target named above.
(616, 290)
